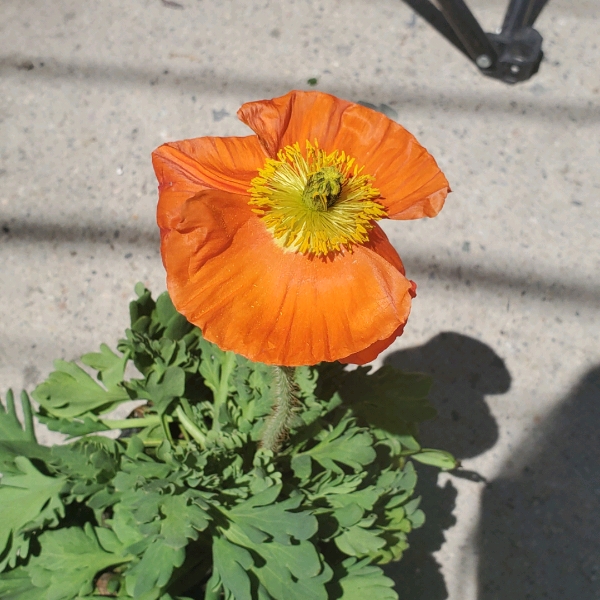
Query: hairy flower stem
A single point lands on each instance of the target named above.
(284, 402)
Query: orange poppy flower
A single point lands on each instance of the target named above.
(270, 241)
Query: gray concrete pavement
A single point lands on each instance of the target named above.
(509, 270)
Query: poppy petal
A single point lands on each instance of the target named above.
(379, 242)
(197, 234)
(411, 184)
(373, 351)
(295, 117)
(187, 167)
(407, 176)
(226, 275)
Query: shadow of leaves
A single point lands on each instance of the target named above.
(464, 371)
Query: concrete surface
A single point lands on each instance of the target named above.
(509, 287)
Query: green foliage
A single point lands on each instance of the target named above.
(29, 500)
(69, 561)
(360, 578)
(185, 505)
(16, 439)
(10, 426)
(71, 392)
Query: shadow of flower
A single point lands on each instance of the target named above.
(464, 370)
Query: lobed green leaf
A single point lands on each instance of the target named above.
(28, 499)
(69, 561)
(70, 392)
(360, 580)
(436, 458)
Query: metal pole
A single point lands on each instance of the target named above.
(437, 20)
(537, 8)
(517, 15)
(469, 32)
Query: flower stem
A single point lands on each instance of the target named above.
(284, 402)
(223, 389)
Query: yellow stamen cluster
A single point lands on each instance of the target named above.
(315, 202)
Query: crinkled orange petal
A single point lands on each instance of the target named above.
(374, 350)
(226, 275)
(407, 176)
(411, 184)
(187, 167)
(295, 117)
(380, 243)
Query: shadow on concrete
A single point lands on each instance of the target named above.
(202, 80)
(539, 534)
(483, 276)
(464, 371)
(77, 231)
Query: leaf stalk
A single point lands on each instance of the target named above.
(223, 389)
(190, 427)
(135, 423)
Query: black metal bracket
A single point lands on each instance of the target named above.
(512, 54)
